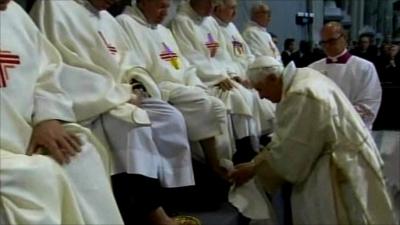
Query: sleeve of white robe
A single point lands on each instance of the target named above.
(370, 91)
(293, 151)
(48, 92)
(258, 43)
(255, 42)
(207, 71)
(104, 93)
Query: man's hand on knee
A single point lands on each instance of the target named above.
(51, 136)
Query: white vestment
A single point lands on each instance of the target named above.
(99, 60)
(35, 189)
(201, 42)
(177, 80)
(336, 174)
(236, 46)
(358, 80)
(260, 41)
(240, 54)
(205, 115)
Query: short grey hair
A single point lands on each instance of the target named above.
(222, 2)
(257, 6)
(218, 2)
(255, 75)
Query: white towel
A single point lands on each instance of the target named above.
(249, 198)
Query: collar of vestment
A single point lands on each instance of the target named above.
(135, 13)
(288, 75)
(220, 22)
(89, 7)
(187, 9)
(254, 24)
(342, 58)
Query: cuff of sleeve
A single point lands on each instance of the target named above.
(46, 109)
(260, 159)
(218, 80)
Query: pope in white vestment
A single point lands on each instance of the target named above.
(205, 115)
(34, 188)
(336, 175)
(201, 42)
(256, 34)
(99, 59)
(240, 54)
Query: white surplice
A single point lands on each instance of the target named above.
(260, 41)
(358, 80)
(322, 146)
(236, 46)
(35, 189)
(240, 54)
(205, 115)
(202, 43)
(99, 61)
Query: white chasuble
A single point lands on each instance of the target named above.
(95, 46)
(260, 41)
(35, 189)
(336, 174)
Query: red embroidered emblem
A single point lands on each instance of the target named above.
(238, 47)
(170, 56)
(7, 61)
(112, 49)
(212, 45)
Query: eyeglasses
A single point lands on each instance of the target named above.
(330, 40)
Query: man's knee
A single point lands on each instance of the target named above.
(29, 171)
(218, 105)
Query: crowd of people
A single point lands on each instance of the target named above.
(111, 120)
(386, 57)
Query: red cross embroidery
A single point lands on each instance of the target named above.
(112, 49)
(212, 45)
(170, 56)
(238, 47)
(7, 61)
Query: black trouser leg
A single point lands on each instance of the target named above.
(208, 193)
(136, 196)
(265, 139)
(287, 206)
(244, 151)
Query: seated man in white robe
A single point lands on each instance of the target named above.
(51, 171)
(202, 43)
(256, 34)
(336, 175)
(205, 115)
(147, 136)
(356, 77)
(224, 13)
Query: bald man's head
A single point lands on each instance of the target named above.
(333, 39)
